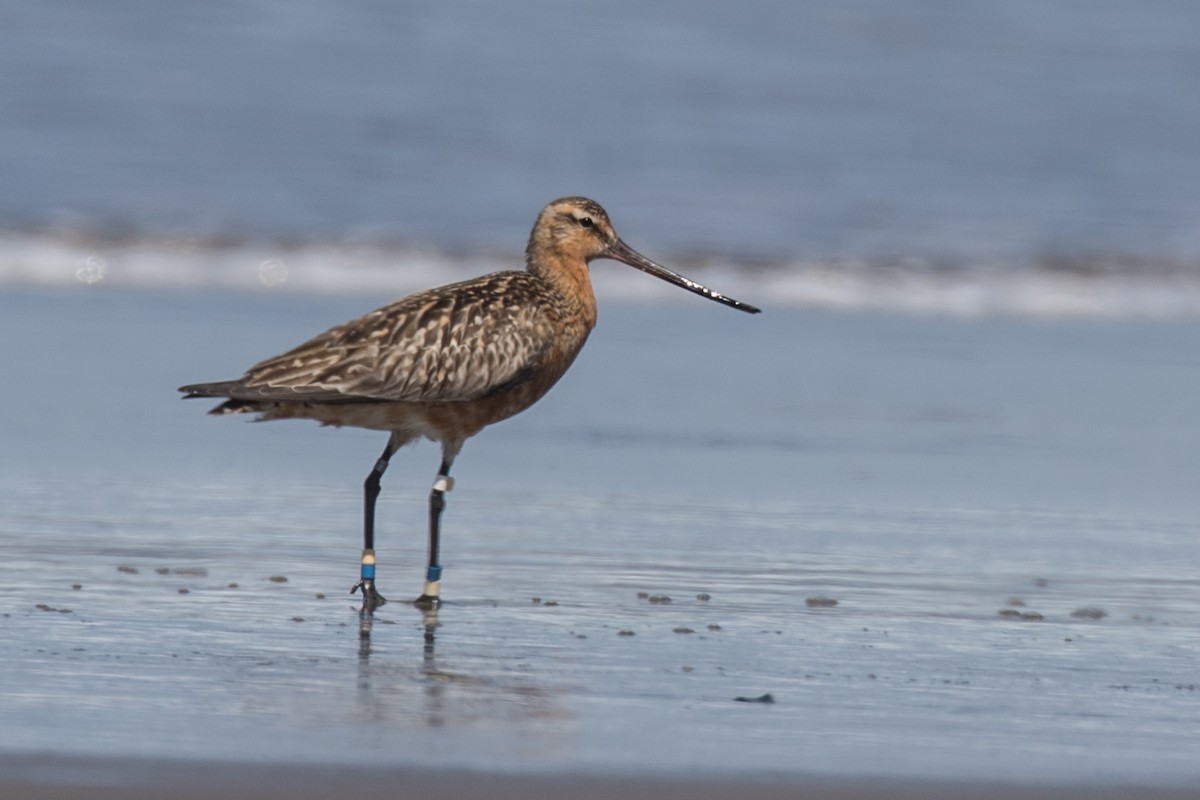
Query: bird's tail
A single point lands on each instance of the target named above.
(220, 389)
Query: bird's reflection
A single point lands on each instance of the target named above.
(431, 678)
(366, 622)
(481, 685)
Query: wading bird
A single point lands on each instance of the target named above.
(448, 362)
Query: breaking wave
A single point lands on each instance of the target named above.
(1090, 285)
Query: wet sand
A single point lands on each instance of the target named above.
(959, 555)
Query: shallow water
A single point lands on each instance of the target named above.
(936, 478)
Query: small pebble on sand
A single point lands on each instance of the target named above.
(1089, 613)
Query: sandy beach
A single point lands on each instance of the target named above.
(959, 555)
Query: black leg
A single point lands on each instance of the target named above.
(371, 598)
(431, 597)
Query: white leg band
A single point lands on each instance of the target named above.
(444, 483)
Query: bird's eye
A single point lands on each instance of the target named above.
(586, 222)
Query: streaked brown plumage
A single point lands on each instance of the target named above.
(450, 361)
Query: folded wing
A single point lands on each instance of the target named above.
(459, 342)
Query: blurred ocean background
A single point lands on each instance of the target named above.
(967, 157)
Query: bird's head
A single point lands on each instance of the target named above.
(573, 231)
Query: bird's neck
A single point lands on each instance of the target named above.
(570, 280)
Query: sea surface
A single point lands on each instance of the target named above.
(974, 157)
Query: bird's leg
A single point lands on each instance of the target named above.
(371, 598)
(431, 597)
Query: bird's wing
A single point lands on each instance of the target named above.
(459, 342)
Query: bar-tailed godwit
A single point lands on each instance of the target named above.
(448, 362)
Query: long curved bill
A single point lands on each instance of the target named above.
(619, 251)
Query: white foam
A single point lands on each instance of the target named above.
(988, 289)
(1109, 290)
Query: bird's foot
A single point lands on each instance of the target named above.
(371, 598)
(431, 598)
(428, 602)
